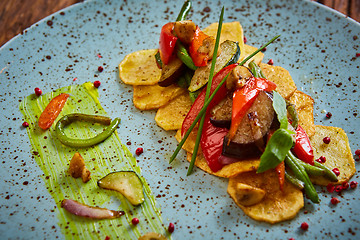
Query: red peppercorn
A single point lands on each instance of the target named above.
(139, 151)
(330, 188)
(135, 221)
(326, 140)
(245, 39)
(271, 62)
(171, 227)
(357, 152)
(25, 124)
(336, 171)
(338, 189)
(100, 69)
(304, 226)
(357, 54)
(107, 238)
(353, 184)
(322, 159)
(291, 238)
(38, 91)
(264, 49)
(97, 84)
(334, 200)
(345, 185)
(328, 114)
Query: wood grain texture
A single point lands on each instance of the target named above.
(17, 15)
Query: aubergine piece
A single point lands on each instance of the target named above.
(220, 115)
(171, 72)
(249, 139)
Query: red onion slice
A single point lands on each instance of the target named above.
(83, 210)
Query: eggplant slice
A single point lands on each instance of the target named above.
(171, 72)
(249, 139)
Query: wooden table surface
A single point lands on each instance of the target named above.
(17, 15)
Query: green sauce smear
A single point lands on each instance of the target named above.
(111, 155)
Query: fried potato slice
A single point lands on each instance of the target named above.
(285, 84)
(337, 152)
(154, 96)
(247, 50)
(139, 68)
(304, 105)
(171, 116)
(277, 205)
(230, 31)
(227, 171)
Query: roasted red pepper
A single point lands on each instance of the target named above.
(52, 111)
(167, 42)
(303, 149)
(212, 137)
(199, 102)
(200, 59)
(244, 97)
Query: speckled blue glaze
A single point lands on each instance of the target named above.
(318, 46)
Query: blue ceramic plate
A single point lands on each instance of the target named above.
(318, 46)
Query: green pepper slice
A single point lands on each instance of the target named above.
(82, 143)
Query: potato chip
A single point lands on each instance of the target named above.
(190, 141)
(154, 96)
(227, 171)
(171, 116)
(277, 205)
(247, 50)
(285, 84)
(230, 31)
(304, 105)
(139, 68)
(337, 152)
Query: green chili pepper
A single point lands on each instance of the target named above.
(293, 114)
(184, 11)
(72, 142)
(184, 56)
(300, 173)
(158, 59)
(294, 180)
(256, 70)
(327, 172)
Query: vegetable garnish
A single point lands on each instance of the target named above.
(83, 210)
(206, 103)
(72, 142)
(208, 88)
(125, 182)
(52, 111)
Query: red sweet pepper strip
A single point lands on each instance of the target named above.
(244, 97)
(167, 42)
(52, 111)
(303, 149)
(199, 102)
(199, 59)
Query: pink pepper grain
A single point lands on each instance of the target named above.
(245, 39)
(345, 185)
(304, 226)
(334, 200)
(100, 69)
(353, 184)
(139, 151)
(338, 189)
(357, 54)
(135, 221)
(171, 227)
(25, 124)
(357, 152)
(330, 188)
(326, 140)
(328, 114)
(97, 84)
(38, 91)
(271, 62)
(322, 159)
(336, 171)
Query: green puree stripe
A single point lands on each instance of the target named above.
(111, 155)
